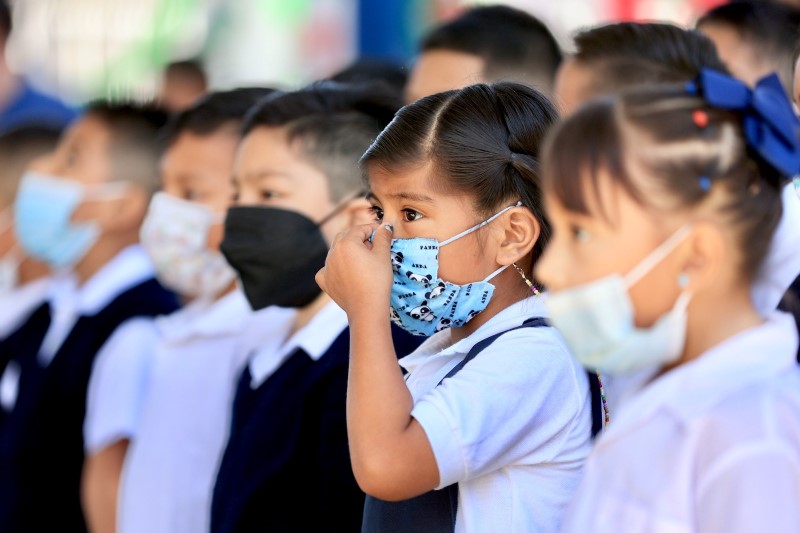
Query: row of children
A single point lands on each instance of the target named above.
(654, 220)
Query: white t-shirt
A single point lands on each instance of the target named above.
(713, 445)
(782, 264)
(512, 428)
(177, 443)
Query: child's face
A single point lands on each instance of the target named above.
(198, 168)
(407, 201)
(83, 153)
(572, 85)
(585, 248)
(270, 171)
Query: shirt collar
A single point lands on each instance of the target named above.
(128, 268)
(206, 318)
(315, 338)
(440, 344)
(754, 355)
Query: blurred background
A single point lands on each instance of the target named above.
(85, 49)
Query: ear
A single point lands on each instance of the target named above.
(520, 231)
(705, 253)
(125, 214)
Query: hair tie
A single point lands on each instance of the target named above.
(513, 157)
(769, 123)
(700, 118)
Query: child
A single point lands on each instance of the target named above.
(494, 411)
(164, 385)
(467, 50)
(663, 207)
(286, 464)
(23, 281)
(81, 213)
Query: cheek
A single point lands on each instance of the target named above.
(654, 295)
(465, 261)
(215, 234)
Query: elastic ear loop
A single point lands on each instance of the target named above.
(341, 207)
(478, 226)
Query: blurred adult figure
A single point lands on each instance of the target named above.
(20, 103)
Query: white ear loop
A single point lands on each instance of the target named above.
(656, 256)
(478, 226)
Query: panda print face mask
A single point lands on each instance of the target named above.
(421, 302)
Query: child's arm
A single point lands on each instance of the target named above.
(390, 453)
(100, 487)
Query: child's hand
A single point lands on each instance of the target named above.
(357, 273)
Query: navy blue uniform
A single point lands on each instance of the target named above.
(288, 450)
(41, 439)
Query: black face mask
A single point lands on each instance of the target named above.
(277, 253)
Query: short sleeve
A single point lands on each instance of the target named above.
(782, 264)
(520, 401)
(118, 384)
(751, 490)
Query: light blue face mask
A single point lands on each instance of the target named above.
(421, 302)
(42, 211)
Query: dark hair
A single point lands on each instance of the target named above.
(6, 20)
(213, 112)
(332, 122)
(627, 54)
(18, 147)
(514, 45)
(771, 28)
(482, 140)
(134, 139)
(189, 69)
(651, 132)
(365, 70)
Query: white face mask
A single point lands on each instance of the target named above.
(597, 320)
(174, 234)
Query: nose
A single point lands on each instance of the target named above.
(548, 271)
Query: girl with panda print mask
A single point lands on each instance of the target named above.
(494, 411)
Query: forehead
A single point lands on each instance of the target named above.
(87, 130)
(442, 70)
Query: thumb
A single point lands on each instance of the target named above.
(382, 238)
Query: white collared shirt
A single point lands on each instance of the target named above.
(179, 437)
(782, 264)
(314, 339)
(712, 445)
(17, 304)
(512, 428)
(69, 301)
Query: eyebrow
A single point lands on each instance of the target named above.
(266, 173)
(412, 196)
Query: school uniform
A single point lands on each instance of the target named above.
(286, 466)
(781, 266)
(17, 304)
(52, 354)
(512, 428)
(176, 447)
(712, 445)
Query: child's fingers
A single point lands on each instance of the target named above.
(382, 239)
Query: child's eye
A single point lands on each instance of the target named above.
(377, 212)
(409, 215)
(268, 195)
(580, 234)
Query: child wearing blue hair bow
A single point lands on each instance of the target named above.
(489, 429)
(663, 203)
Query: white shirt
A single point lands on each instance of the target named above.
(513, 427)
(713, 445)
(314, 339)
(782, 264)
(17, 304)
(69, 301)
(171, 466)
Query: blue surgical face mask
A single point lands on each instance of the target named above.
(42, 211)
(597, 320)
(421, 302)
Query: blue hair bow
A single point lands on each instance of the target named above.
(770, 125)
